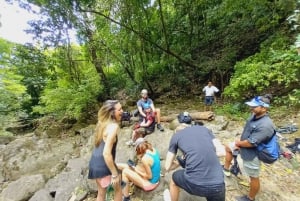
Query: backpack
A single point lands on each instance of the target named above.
(126, 116)
(184, 117)
(269, 151)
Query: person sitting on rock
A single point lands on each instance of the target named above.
(144, 103)
(146, 174)
(143, 128)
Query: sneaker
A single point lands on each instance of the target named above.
(226, 172)
(243, 198)
(126, 198)
(159, 127)
(130, 143)
(167, 195)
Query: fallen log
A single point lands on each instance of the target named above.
(195, 116)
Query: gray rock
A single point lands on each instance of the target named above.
(42, 195)
(23, 188)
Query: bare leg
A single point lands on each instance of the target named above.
(228, 157)
(101, 191)
(128, 175)
(174, 191)
(254, 187)
(133, 136)
(157, 111)
(122, 166)
(118, 193)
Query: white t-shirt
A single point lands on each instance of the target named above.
(210, 91)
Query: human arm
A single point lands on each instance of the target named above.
(169, 161)
(141, 111)
(261, 131)
(216, 90)
(243, 143)
(110, 138)
(144, 167)
(148, 120)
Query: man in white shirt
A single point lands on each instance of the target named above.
(210, 91)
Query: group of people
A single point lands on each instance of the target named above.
(201, 174)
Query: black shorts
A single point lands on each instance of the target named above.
(210, 192)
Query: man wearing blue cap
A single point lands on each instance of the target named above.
(259, 128)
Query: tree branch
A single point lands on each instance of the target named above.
(142, 36)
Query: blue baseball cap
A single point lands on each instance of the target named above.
(257, 101)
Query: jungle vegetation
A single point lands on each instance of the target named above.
(170, 47)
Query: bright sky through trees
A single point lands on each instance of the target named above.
(13, 23)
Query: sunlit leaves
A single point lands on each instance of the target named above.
(275, 71)
(63, 97)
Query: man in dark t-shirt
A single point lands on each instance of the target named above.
(202, 175)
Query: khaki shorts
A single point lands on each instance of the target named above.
(252, 168)
(144, 131)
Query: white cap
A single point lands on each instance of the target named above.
(139, 141)
(144, 91)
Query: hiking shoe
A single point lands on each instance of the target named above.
(130, 143)
(126, 198)
(243, 198)
(226, 172)
(159, 127)
(167, 195)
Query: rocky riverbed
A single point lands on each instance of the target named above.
(38, 167)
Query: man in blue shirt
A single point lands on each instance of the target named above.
(144, 103)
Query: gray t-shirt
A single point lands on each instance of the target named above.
(202, 164)
(256, 131)
(144, 103)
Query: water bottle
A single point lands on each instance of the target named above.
(109, 193)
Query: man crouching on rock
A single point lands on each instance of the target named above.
(203, 174)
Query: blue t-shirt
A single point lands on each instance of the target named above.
(202, 164)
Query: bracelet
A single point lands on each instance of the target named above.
(114, 176)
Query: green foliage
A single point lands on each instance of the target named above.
(290, 100)
(11, 88)
(235, 111)
(272, 71)
(31, 63)
(165, 46)
(64, 98)
(12, 92)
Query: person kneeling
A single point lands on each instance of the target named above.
(146, 174)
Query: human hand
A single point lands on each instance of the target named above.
(115, 180)
(136, 126)
(237, 144)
